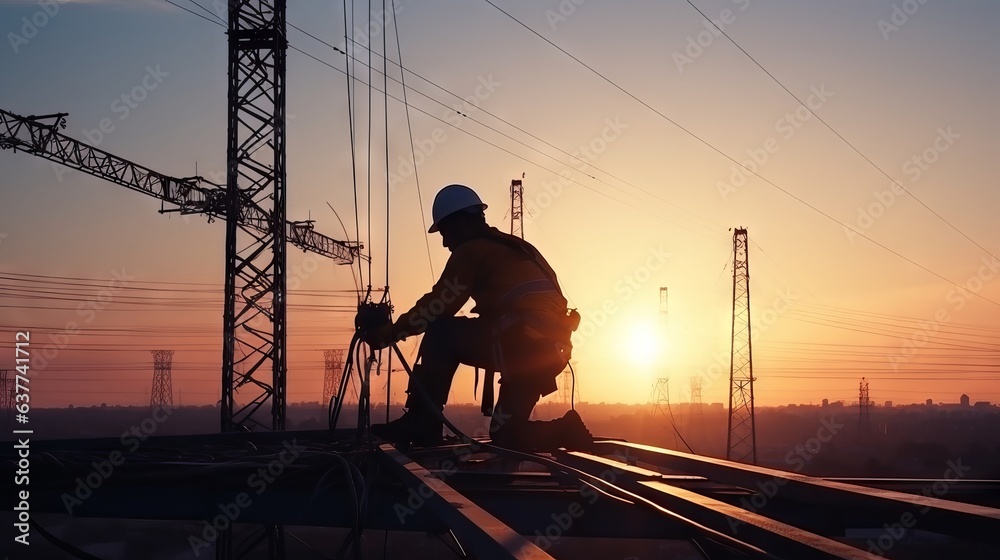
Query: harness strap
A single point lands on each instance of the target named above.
(487, 406)
(539, 286)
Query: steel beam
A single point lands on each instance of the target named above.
(187, 195)
(484, 535)
(773, 536)
(969, 521)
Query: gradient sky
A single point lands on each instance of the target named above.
(647, 211)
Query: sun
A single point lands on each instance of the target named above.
(645, 345)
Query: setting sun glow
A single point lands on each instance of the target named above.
(645, 345)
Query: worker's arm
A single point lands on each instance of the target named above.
(448, 295)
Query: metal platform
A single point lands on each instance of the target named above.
(494, 503)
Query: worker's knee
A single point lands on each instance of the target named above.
(437, 337)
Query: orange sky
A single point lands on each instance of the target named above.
(651, 208)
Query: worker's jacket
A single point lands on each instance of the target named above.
(515, 290)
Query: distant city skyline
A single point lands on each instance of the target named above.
(624, 193)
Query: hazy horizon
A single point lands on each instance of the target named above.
(652, 207)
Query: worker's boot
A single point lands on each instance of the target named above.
(575, 434)
(419, 425)
(414, 427)
(569, 432)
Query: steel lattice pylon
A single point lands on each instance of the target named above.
(663, 305)
(6, 394)
(864, 410)
(660, 396)
(696, 391)
(517, 208)
(741, 442)
(162, 394)
(334, 362)
(254, 314)
(565, 387)
(6, 390)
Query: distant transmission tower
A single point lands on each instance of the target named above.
(6, 395)
(162, 394)
(741, 442)
(696, 415)
(565, 387)
(661, 396)
(663, 305)
(864, 409)
(516, 208)
(334, 360)
(661, 402)
(6, 390)
(696, 391)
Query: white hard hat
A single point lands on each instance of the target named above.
(451, 199)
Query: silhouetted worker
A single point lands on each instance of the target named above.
(523, 332)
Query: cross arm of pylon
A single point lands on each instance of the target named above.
(188, 195)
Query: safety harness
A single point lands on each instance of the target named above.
(533, 328)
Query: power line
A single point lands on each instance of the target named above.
(413, 155)
(532, 148)
(837, 134)
(206, 10)
(402, 82)
(190, 11)
(497, 146)
(730, 158)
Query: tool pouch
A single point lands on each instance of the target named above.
(535, 348)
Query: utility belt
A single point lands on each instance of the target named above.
(531, 350)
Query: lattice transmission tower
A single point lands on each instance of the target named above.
(663, 306)
(254, 335)
(696, 391)
(517, 208)
(565, 386)
(162, 394)
(741, 441)
(864, 410)
(6, 390)
(334, 370)
(6, 394)
(661, 396)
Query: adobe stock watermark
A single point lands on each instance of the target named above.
(377, 22)
(697, 44)
(897, 531)
(122, 107)
(914, 168)
(760, 323)
(783, 301)
(563, 521)
(797, 458)
(424, 148)
(625, 288)
(230, 512)
(955, 300)
(786, 127)
(417, 498)
(446, 293)
(296, 275)
(898, 17)
(564, 10)
(583, 156)
(102, 469)
(32, 25)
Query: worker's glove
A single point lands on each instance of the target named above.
(381, 337)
